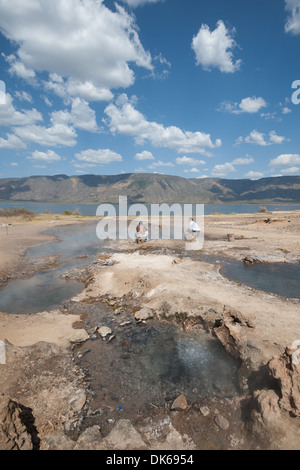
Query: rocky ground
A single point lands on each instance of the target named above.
(52, 398)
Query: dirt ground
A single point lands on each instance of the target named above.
(157, 275)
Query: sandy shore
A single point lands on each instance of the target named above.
(252, 325)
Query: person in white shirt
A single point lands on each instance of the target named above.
(193, 226)
(141, 232)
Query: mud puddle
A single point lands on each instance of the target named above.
(141, 367)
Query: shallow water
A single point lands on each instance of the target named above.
(277, 278)
(47, 290)
(40, 292)
(148, 365)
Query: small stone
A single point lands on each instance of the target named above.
(144, 314)
(204, 410)
(104, 331)
(179, 403)
(78, 402)
(125, 323)
(222, 422)
(111, 338)
(117, 311)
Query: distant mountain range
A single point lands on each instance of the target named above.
(149, 188)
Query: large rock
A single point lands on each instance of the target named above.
(287, 372)
(17, 431)
(231, 332)
(124, 437)
(58, 441)
(90, 439)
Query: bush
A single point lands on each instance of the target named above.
(67, 212)
(16, 212)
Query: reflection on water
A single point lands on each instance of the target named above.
(187, 360)
(277, 278)
(46, 289)
(155, 363)
(42, 291)
(73, 241)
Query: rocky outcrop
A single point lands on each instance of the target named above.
(231, 332)
(275, 412)
(286, 370)
(17, 430)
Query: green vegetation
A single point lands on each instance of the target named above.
(17, 212)
(67, 212)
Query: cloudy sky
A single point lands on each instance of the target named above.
(182, 87)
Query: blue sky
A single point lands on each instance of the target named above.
(181, 87)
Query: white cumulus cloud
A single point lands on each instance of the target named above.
(294, 170)
(53, 136)
(285, 160)
(12, 142)
(145, 155)
(10, 116)
(259, 138)
(242, 161)
(138, 3)
(189, 161)
(247, 105)
(293, 21)
(124, 119)
(81, 116)
(214, 49)
(223, 170)
(254, 175)
(100, 156)
(81, 40)
(48, 157)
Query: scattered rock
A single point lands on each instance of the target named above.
(104, 331)
(221, 422)
(250, 260)
(124, 437)
(111, 338)
(180, 403)
(90, 439)
(125, 323)
(144, 314)
(58, 441)
(78, 402)
(118, 310)
(204, 410)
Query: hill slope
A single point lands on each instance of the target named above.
(148, 188)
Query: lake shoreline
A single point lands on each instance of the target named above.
(240, 326)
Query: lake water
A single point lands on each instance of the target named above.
(90, 209)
